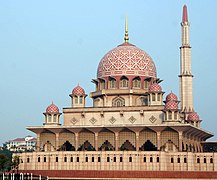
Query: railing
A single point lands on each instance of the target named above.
(22, 176)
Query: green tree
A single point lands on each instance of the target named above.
(3, 160)
(15, 163)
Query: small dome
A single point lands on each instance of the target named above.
(155, 87)
(171, 105)
(126, 60)
(52, 109)
(78, 91)
(171, 97)
(193, 116)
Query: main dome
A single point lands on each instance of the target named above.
(127, 60)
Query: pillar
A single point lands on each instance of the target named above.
(38, 141)
(158, 140)
(57, 141)
(180, 141)
(76, 141)
(116, 141)
(137, 141)
(96, 141)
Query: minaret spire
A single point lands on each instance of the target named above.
(126, 38)
(186, 89)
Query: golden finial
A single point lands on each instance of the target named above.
(126, 38)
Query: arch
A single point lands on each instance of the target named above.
(147, 135)
(86, 146)
(146, 83)
(48, 146)
(112, 83)
(118, 102)
(66, 136)
(102, 84)
(85, 136)
(46, 137)
(106, 140)
(148, 146)
(124, 82)
(169, 146)
(98, 102)
(142, 101)
(67, 146)
(171, 136)
(127, 139)
(136, 82)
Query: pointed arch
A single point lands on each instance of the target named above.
(67, 146)
(118, 102)
(112, 83)
(85, 136)
(136, 82)
(127, 139)
(106, 139)
(147, 135)
(148, 146)
(124, 82)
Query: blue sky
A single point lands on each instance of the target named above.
(48, 47)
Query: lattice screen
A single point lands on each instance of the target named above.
(66, 136)
(169, 134)
(147, 134)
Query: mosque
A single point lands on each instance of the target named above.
(134, 129)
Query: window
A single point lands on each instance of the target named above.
(121, 159)
(27, 160)
(54, 118)
(136, 83)
(112, 83)
(151, 159)
(176, 115)
(144, 159)
(76, 99)
(178, 160)
(114, 159)
(185, 160)
(108, 159)
(99, 159)
(77, 159)
(80, 100)
(124, 83)
(65, 159)
(146, 84)
(198, 160)
(38, 159)
(204, 160)
(158, 96)
(44, 159)
(102, 85)
(118, 102)
(170, 115)
(86, 159)
(172, 160)
(71, 159)
(56, 159)
(130, 159)
(211, 160)
(153, 97)
(92, 159)
(49, 118)
(158, 159)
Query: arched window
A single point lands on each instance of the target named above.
(80, 100)
(175, 115)
(153, 97)
(76, 99)
(124, 82)
(170, 115)
(136, 83)
(118, 102)
(112, 83)
(54, 118)
(49, 118)
(102, 84)
(158, 96)
(146, 84)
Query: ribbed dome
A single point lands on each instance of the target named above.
(171, 97)
(193, 116)
(155, 87)
(52, 108)
(171, 105)
(78, 90)
(127, 60)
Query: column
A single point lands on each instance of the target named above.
(116, 141)
(137, 141)
(96, 141)
(76, 141)
(158, 140)
(38, 142)
(180, 141)
(57, 141)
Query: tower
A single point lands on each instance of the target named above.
(78, 97)
(186, 90)
(52, 115)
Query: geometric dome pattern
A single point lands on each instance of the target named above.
(193, 116)
(171, 105)
(78, 90)
(127, 60)
(52, 108)
(171, 97)
(155, 87)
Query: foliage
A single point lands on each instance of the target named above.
(5, 160)
(15, 162)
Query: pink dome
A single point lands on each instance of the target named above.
(128, 60)
(171, 105)
(78, 91)
(171, 97)
(155, 87)
(52, 109)
(193, 116)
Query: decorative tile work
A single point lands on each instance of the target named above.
(78, 91)
(171, 97)
(193, 116)
(112, 120)
(152, 119)
(93, 120)
(74, 120)
(132, 119)
(155, 87)
(52, 109)
(171, 105)
(126, 60)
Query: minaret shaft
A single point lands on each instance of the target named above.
(186, 89)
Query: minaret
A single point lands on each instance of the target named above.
(186, 90)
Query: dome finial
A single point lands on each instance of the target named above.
(126, 38)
